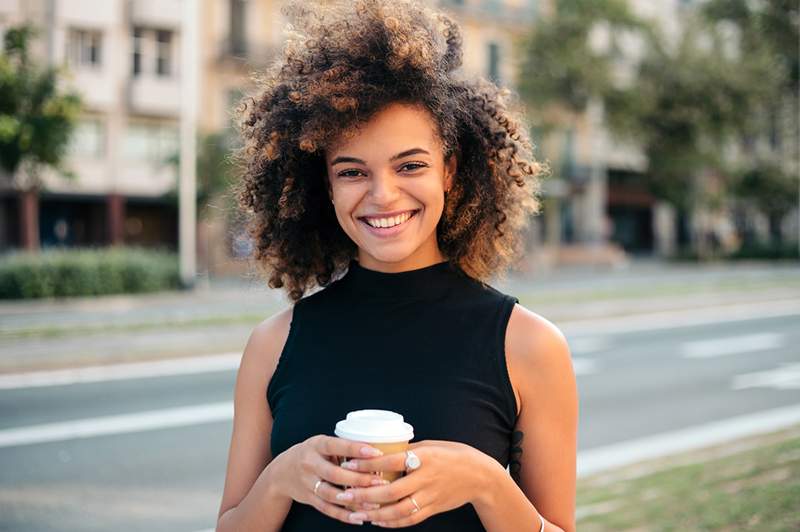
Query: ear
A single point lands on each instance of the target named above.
(450, 171)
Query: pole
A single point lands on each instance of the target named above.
(188, 126)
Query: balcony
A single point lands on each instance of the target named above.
(250, 53)
(156, 96)
(88, 14)
(164, 14)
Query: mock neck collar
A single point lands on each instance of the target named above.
(431, 281)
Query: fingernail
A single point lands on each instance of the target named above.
(357, 517)
(350, 465)
(344, 496)
(379, 482)
(371, 506)
(371, 451)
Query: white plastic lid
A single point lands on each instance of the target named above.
(376, 426)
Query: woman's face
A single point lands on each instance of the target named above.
(391, 174)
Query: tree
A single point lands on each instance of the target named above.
(36, 121)
(215, 172)
(688, 97)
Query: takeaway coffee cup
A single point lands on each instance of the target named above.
(382, 429)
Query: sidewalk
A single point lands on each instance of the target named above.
(81, 331)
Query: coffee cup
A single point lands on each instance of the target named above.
(382, 429)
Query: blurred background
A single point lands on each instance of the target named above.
(667, 250)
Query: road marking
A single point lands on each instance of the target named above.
(732, 345)
(112, 372)
(589, 344)
(675, 319)
(621, 454)
(786, 377)
(584, 366)
(577, 331)
(119, 424)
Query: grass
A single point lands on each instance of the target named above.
(749, 485)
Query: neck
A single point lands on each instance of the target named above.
(420, 259)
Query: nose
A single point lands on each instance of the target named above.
(383, 188)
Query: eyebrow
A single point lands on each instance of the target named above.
(400, 155)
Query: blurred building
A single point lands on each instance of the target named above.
(122, 56)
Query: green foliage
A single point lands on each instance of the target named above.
(687, 99)
(773, 190)
(215, 171)
(771, 27)
(86, 272)
(36, 119)
(686, 102)
(559, 66)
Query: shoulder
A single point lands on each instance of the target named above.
(538, 354)
(265, 344)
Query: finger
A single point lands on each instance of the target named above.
(413, 519)
(337, 512)
(330, 493)
(403, 510)
(331, 446)
(340, 476)
(390, 462)
(388, 493)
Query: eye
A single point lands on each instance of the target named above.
(415, 165)
(347, 173)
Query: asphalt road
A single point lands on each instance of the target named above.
(149, 453)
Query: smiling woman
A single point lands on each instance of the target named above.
(378, 176)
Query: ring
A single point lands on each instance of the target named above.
(316, 486)
(416, 506)
(412, 461)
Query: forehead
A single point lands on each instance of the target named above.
(396, 127)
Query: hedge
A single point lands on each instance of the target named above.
(66, 272)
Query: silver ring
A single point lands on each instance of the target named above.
(316, 486)
(412, 461)
(416, 506)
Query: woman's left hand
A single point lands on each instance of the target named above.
(451, 474)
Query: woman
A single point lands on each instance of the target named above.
(376, 173)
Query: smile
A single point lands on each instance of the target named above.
(388, 226)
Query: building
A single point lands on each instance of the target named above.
(122, 56)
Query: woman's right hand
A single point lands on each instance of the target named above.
(303, 464)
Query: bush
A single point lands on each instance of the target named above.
(86, 272)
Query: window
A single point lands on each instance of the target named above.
(494, 62)
(237, 14)
(84, 48)
(163, 53)
(152, 52)
(153, 142)
(138, 44)
(88, 139)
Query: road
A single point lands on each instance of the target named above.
(123, 452)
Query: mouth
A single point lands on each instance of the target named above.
(389, 231)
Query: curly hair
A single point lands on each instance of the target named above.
(341, 63)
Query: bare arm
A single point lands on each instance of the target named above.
(546, 481)
(249, 500)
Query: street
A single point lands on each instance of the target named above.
(149, 453)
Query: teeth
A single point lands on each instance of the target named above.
(389, 222)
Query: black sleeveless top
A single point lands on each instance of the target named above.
(426, 343)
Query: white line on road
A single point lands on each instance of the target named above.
(131, 370)
(674, 319)
(589, 344)
(575, 331)
(786, 377)
(584, 366)
(616, 455)
(119, 424)
(732, 345)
